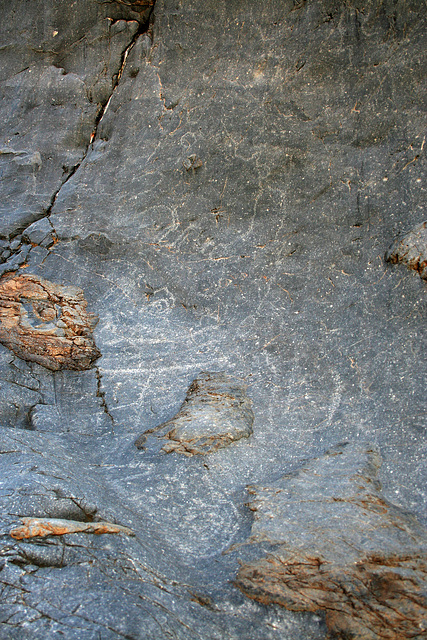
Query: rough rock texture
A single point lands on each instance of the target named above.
(59, 68)
(411, 250)
(215, 412)
(46, 323)
(338, 546)
(222, 180)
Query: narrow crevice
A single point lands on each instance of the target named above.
(101, 395)
(144, 28)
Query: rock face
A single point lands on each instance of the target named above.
(338, 546)
(215, 412)
(221, 179)
(46, 323)
(411, 250)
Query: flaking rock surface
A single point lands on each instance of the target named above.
(215, 413)
(411, 250)
(46, 323)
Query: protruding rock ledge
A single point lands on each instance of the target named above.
(47, 323)
(339, 546)
(215, 412)
(411, 250)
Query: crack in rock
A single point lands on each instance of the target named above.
(101, 395)
(16, 256)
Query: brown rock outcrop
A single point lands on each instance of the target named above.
(47, 323)
(43, 527)
(340, 547)
(215, 413)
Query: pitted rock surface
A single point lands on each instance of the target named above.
(411, 250)
(215, 413)
(47, 323)
(337, 545)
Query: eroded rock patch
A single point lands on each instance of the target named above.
(339, 546)
(411, 250)
(215, 412)
(47, 323)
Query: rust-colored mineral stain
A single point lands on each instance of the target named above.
(47, 323)
(43, 527)
(215, 413)
(411, 250)
(338, 546)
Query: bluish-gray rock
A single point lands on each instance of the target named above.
(215, 413)
(336, 545)
(222, 181)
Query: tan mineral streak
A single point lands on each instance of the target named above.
(42, 527)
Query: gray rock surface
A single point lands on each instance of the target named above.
(336, 545)
(215, 413)
(221, 180)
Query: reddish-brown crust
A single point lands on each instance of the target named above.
(47, 323)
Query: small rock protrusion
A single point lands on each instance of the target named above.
(43, 527)
(192, 162)
(39, 233)
(215, 413)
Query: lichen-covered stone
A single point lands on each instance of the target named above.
(340, 547)
(411, 250)
(215, 412)
(47, 323)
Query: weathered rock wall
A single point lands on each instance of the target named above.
(220, 181)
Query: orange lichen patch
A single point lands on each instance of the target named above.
(43, 527)
(47, 323)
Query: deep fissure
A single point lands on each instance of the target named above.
(144, 28)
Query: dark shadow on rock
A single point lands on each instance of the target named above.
(339, 546)
(215, 412)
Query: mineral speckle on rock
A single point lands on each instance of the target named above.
(340, 547)
(47, 323)
(215, 413)
(411, 250)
